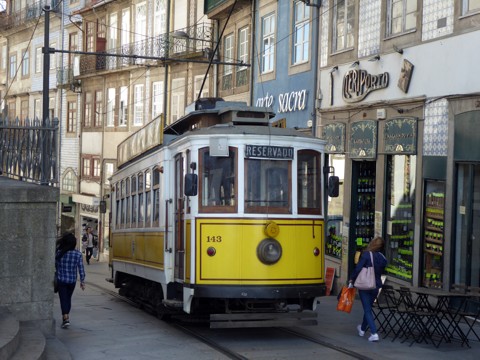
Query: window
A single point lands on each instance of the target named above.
(69, 182)
(178, 99)
(89, 36)
(38, 60)
(160, 17)
(156, 197)
(3, 54)
(138, 105)
(37, 108)
(242, 51)
(98, 115)
(87, 121)
(125, 33)
(402, 16)
(72, 46)
(301, 32)
(25, 62)
(267, 184)
(228, 57)
(23, 110)
(268, 43)
(91, 167)
(309, 176)
(53, 57)
(148, 197)
(102, 28)
(157, 98)
(141, 204)
(112, 35)
(12, 109)
(111, 107)
(72, 117)
(470, 6)
(197, 84)
(108, 171)
(140, 28)
(51, 108)
(343, 24)
(217, 181)
(134, 200)
(123, 107)
(126, 205)
(13, 66)
(399, 215)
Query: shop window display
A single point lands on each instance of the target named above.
(400, 215)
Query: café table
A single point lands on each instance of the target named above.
(439, 301)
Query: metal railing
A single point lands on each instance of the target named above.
(189, 42)
(28, 13)
(28, 150)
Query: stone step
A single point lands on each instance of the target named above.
(56, 350)
(9, 333)
(32, 343)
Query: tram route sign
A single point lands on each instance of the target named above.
(269, 152)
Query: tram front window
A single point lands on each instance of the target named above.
(217, 181)
(267, 185)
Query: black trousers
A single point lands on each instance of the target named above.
(65, 292)
(89, 253)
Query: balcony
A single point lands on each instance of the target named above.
(26, 15)
(190, 43)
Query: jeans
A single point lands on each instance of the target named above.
(368, 297)
(65, 292)
(88, 254)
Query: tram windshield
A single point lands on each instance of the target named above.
(267, 185)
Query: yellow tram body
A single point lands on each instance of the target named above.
(250, 241)
(236, 264)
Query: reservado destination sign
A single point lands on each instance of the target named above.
(269, 152)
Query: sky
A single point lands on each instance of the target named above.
(2, 5)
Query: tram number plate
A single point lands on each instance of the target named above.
(216, 238)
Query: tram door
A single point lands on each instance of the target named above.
(179, 220)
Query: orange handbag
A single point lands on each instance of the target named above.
(345, 300)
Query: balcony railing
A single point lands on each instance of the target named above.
(192, 42)
(29, 13)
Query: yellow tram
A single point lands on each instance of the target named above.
(220, 214)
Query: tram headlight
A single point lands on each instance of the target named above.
(269, 251)
(211, 251)
(316, 251)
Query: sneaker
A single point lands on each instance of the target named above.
(373, 337)
(65, 324)
(360, 331)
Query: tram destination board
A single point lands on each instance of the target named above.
(270, 152)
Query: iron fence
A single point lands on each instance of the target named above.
(28, 150)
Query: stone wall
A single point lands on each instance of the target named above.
(27, 246)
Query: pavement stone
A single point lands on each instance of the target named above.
(112, 329)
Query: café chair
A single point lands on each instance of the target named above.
(383, 310)
(471, 311)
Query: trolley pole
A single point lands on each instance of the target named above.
(46, 85)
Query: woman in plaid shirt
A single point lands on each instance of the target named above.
(68, 260)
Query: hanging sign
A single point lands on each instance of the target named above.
(334, 134)
(400, 136)
(363, 139)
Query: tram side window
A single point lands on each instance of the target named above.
(148, 198)
(141, 208)
(134, 200)
(122, 195)
(127, 203)
(309, 177)
(156, 197)
(119, 208)
(268, 184)
(217, 181)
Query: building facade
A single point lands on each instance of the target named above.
(399, 108)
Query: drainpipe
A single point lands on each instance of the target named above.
(252, 48)
(165, 69)
(315, 56)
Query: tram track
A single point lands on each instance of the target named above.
(188, 328)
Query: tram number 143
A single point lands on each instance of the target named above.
(214, 239)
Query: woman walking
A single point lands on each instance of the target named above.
(367, 297)
(68, 261)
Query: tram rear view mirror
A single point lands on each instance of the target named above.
(333, 186)
(191, 181)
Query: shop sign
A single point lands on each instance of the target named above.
(334, 134)
(400, 136)
(357, 84)
(363, 140)
(287, 102)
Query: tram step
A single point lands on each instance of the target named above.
(176, 304)
(239, 320)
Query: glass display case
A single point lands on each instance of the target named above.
(433, 234)
(400, 216)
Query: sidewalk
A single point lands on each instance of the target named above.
(111, 329)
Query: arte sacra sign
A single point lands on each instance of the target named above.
(287, 102)
(357, 84)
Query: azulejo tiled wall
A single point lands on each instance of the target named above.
(435, 136)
